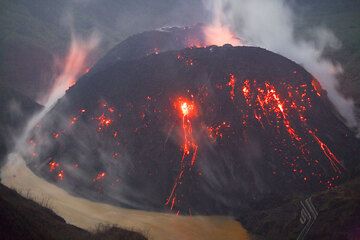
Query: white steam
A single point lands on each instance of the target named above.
(270, 24)
(75, 64)
(72, 66)
(218, 32)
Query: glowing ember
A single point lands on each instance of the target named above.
(60, 175)
(115, 134)
(216, 132)
(316, 86)
(185, 108)
(189, 62)
(100, 176)
(55, 135)
(155, 51)
(246, 91)
(231, 84)
(53, 165)
(115, 155)
(111, 109)
(103, 121)
(73, 120)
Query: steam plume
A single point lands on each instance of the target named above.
(75, 63)
(217, 32)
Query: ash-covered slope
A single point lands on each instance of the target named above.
(153, 42)
(205, 130)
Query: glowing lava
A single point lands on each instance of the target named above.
(231, 84)
(217, 131)
(104, 121)
(60, 175)
(100, 176)
(274, 111)
(189, 146)
(188, 111)
(53, 165)
(316, 86)
(334, 161)
(55, 135)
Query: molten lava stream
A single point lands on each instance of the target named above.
(189, 146)
(231, 84)
(270, 109)
(334, 161)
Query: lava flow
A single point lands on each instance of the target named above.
(231, 84)
(334, 161)
(189, 146)
(272, 110)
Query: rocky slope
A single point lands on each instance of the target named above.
(205, 130)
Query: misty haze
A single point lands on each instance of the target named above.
(172, 120)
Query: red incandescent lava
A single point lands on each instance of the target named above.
(217, 131)
(270, 109)
(267, 107)
(103, 121)
(189, 147)
(231, 84)
(60, 175)
(53, 165)
(335, 162)
(100, 176)
(276, 109)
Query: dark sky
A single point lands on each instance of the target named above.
(132, 16)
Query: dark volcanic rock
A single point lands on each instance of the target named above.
(284, 222)
(153, 42)
(258, 129)
(23, 218)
